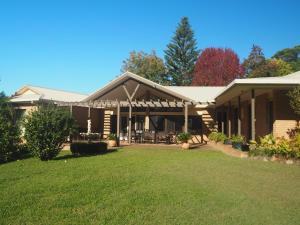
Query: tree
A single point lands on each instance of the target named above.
(2, 97)
(291, 56)
(255, 58)
(9, 130)
(46, 129)
(294, 96)
(217, 67)
(272, 68)
(146, 65)
(181, 54)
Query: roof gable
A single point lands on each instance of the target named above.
(128, 79)
(34, 93)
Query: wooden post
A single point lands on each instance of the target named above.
(129, 123)
(222, 121)
(118, 121)
(186, 108)
(89, 112)
(239, 131)
(252, 114)
(229, 119)
(89, 121)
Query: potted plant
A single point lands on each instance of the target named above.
(237, 141)
(227, 141)
(184, 139)
(112, 140)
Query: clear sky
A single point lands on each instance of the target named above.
(80, 45)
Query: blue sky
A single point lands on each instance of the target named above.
(80, 45)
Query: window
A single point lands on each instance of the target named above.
(157, 123)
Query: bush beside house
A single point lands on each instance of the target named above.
(9, 132)
(86, 148)
(47, 129)
(269, 146)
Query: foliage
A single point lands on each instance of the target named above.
(216, 67)
(146, 65)
(280, 147)
(46, 129)
(9, 131)
(83, 148)
(255, 58)
(181, 54)
(252, 142)
(112, 137)
(294, 97)
(271, 68)
(267, 140)
(217, 137)
(237, 139)
(3, 97)
(291, 56)
(295, 145)
(184, 137)
(294, 131)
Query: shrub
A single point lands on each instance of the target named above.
(46, 129)
(184, 137)
(217, 137)
(112, 137)
(83, 148)
(280, 147)
(294, 96)
(9, 132)
(213, 136)
(295, 146)
(237, 139)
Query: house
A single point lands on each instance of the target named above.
(250, 107)
(257, 106)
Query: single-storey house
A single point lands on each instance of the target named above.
(137, 109)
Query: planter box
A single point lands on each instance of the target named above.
(227, 142)
(237, 145)
(245, 147)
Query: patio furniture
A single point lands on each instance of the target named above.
(149, 137)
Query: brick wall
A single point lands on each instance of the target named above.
(284, 117)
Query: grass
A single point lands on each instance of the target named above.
(149, 185)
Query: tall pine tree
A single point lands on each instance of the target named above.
(254, 60)
(181, 54)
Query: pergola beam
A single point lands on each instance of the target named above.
(136, 103)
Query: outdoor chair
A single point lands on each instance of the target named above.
(149, 137)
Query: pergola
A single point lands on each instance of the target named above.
(132, 91)
(109, 104)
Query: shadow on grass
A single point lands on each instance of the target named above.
(17, 157)
(71, 156)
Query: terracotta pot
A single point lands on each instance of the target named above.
(186, 146)
(112, 143)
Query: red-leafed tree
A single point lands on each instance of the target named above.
(216, 67)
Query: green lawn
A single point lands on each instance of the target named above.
(149, 185)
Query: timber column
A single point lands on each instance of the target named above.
(252, 114)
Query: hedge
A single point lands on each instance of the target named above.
(85, 148)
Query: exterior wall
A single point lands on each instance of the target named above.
(261, 122)
(80, 114)
(284, 117)
(245, 114)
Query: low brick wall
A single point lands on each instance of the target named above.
(228, 150)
